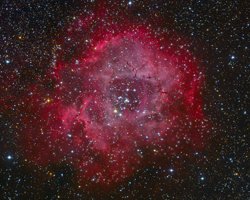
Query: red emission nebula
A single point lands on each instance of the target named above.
(123, 97)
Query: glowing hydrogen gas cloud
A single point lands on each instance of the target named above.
(119, 94)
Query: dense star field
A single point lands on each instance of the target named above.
(124, 99)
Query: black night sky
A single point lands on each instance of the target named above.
(124, 99)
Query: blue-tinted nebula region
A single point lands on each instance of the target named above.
(122, 98)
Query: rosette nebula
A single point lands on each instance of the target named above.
(118, 99)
